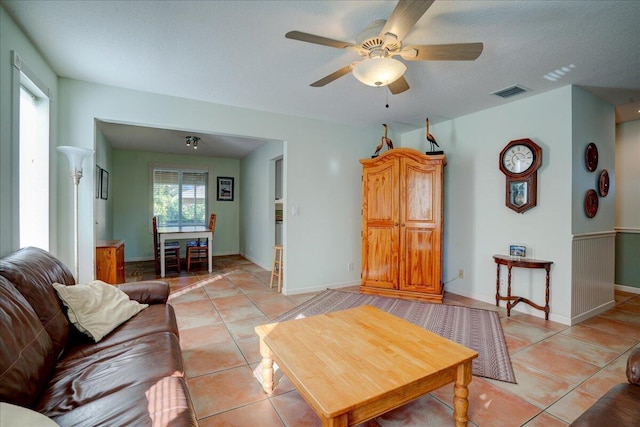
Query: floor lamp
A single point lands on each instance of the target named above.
(75, 155)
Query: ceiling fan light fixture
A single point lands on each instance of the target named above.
(379, 71)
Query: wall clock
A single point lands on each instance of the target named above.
(520, 160)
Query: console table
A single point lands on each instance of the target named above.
(520, 262)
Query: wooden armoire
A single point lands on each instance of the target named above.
(402, 210)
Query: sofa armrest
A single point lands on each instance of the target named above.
(146, 292)
(633, 367)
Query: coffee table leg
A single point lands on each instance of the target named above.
(461, 391)
(267, 367)
(339, 421)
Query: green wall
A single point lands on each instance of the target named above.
(627, 257)
(129, 185)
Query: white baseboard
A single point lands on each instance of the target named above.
(256, 262)
(320, 288)
(139, 259)
(521, 308)
(629, 289)
(593, 312)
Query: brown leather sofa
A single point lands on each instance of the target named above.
(132, 377)
(620, 406)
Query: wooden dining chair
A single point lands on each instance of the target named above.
(171, 250)
(198, 250)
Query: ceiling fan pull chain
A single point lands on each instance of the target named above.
(387, 104)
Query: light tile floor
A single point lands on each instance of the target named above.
(560, 370)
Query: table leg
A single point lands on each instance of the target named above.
(162, 262)
(546, 301)
(497, 285)
(210, 252)
(267, 367)
(509, 291)
(339, 421)
(460, 394)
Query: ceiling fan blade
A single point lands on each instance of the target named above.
(333, 76)
(310, 38)
(398, 86)
(443, 52)
(405, 16)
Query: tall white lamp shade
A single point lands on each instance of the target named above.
(75, 155)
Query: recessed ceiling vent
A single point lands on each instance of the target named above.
(510, 91)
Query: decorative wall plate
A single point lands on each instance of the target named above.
(591, 203)
(591, 157)
(603, 183)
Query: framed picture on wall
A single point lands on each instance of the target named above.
(225, 188)
(97, 181)
(104, 184)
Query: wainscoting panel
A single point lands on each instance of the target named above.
(593, 275)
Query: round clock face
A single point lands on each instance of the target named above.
(518, 159)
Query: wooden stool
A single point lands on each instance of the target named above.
(277, 265)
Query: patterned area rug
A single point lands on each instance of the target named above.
(474, 328)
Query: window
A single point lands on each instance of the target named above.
(180, 196)
(33, 159)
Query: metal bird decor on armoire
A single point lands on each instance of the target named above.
(432, 142)
(383, 140)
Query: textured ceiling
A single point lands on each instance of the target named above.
(235, 53)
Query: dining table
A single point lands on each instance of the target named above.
(184, 233)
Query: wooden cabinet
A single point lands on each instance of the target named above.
(402, 209)
(110, 261)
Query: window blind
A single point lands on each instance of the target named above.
(180, 197)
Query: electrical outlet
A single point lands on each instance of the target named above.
(350, 266)
(461, 274)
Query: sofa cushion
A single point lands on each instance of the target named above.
(26, 354)
(32, 271)
(79, 381)
(164, 402)
(97, 307)
(154, 319)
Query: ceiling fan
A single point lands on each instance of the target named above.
(381, 41)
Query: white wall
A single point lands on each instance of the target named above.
(477, 222)
(102, 209)
(627, 177)
(322, 172)
(257, 221)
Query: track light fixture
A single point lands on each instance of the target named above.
(193, 141)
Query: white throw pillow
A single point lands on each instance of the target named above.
(97, 307)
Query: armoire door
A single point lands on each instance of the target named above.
(380, 237)
(420, 221)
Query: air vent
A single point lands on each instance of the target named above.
(510, 91)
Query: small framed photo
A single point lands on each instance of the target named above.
(225, 188)
(517, 251)
(104, 184)
(97, 181)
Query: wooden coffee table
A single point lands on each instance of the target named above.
(353, 365)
